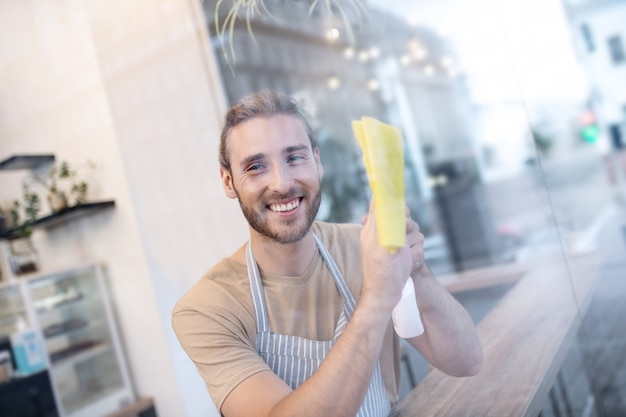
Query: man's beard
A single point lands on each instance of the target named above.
(259, 222)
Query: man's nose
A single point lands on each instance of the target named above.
(280, 179)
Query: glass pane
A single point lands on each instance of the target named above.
(514, 141)
(12, 309)
(87, 380)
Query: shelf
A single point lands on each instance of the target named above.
(75, 327)
(53, 303)
(62, 216)
(17, 162)
(79, 353)
(12, 316)
(71, 213)
(66, 328)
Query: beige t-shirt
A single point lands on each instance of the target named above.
(215, 321)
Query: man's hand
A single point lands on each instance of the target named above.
(415, 242)
(450, 342)
(384, 273)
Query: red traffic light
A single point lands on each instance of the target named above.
(587, 118)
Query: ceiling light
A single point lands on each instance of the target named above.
(332, 34)
(333, 82)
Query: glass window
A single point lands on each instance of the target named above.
(506, 161)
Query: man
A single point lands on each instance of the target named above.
(296, 322)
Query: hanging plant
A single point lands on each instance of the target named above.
(251, 8)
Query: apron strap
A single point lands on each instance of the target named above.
(343, 288)
(256, 288)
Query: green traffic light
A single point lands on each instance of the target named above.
(590, 133)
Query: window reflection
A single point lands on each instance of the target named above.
(492, 116)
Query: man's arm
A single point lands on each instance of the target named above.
(339, 386)
(449, 341)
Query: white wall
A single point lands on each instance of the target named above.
(131, 86)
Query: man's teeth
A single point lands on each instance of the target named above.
(285, 207)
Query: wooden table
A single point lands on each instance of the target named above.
(525, 339)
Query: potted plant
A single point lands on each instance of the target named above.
(23, 257)
(64, 187)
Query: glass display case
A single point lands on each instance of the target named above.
(74, 314)
(12, 309)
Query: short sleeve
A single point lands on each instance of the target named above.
(216, 335)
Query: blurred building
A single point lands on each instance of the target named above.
(599, 29)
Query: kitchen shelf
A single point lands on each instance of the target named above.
(17, 162)
(63, 216)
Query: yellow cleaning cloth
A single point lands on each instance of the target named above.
(383, 156)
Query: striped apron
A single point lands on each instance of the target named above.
(294, 359)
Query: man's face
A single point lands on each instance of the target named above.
(275, 175)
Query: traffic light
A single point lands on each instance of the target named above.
(589, 130)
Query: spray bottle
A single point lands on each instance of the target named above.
(27, 349)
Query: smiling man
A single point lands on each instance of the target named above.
(279, 201)
(297, 321)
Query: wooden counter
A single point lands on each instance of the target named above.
(525, 339)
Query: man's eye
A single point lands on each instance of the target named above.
(254, 167)
(294, 158)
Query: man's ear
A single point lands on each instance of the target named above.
(318, 161)
(227, 183)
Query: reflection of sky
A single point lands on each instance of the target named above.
(506, 47)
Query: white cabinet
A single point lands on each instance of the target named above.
(72, 312)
